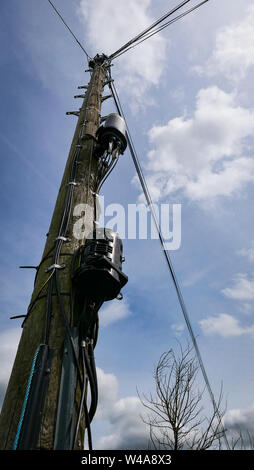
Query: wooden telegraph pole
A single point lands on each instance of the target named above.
(43, 349)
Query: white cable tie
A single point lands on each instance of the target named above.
(64, 239)
(73, 183)
(55, 266)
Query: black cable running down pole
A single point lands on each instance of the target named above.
(168, 260)
(83, 405)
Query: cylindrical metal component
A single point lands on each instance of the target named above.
(116, 122)
(113, 130)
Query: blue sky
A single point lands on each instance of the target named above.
(189, 101)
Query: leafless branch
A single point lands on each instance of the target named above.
(174, 412)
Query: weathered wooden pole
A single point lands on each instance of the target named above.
(45, 323)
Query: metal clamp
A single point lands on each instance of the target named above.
(73, 183)
(64, 239)
(55, 266)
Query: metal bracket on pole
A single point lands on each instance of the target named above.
(104, 98)
(28, 267)
(75, 113)
(107, 82)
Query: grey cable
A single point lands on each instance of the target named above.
(69, 29)
(140, 35)
(168, 260)
(165, 25)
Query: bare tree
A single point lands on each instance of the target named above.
(242, 439)
(174, 412)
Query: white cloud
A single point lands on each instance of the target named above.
(195, 276)
(239, 424)
(9, 340)
(233, 54)
(224, 325)
(114, 311)
(108, 392)
(109, 25)
(203, 156)
(128, 430)
(246, 308)
(242, 289)
(8, 347)
(240, 418)
(249, 252)
(178, 328)
(125, 428)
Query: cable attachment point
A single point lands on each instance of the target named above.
(88, 341)
(64, 239)
(73, 183)
(83, 343)
(55, 266)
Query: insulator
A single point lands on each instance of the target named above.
(100, 273)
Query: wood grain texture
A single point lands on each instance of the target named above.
(33, 329)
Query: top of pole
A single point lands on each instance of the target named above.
(99, 59)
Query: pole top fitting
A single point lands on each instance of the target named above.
(99, 59)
